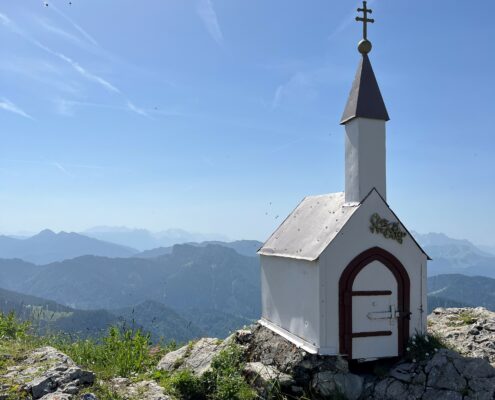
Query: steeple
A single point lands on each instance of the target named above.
(365, 99)
(364, 119)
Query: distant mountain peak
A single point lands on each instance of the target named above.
(46, 233)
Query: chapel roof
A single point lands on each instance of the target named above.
(365, 99)
(310, 228)
(314, 224)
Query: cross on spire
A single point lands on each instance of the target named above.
(364, 19)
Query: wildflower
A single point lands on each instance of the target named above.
(408, 348)
(436, 350)
(414, 360)
(427, 354)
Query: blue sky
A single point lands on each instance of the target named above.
(220, 115)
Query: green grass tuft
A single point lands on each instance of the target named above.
(423, 346)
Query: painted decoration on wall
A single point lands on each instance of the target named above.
(389, 230)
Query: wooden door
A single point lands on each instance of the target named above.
(374, 313)
(374, 293)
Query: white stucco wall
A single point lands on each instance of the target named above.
(290, 296)
(365, 158)
(353, 239)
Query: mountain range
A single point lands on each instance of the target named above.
(143, 239)
(449, 256)
(48, 246)
(77, 284)
(163, 323)
(455, 256)
(210, 277)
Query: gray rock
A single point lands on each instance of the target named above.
(475, 340)
(403, 372)
(433, 394)
(89, 396)
(57, 396)
(243, 336)
(446, 377)
(327, 384)
(143, 390)
(397, 390)
(265, 378)
(173, 360)
(478, 385)
(474, 367)
(196, 357)
(49, 374)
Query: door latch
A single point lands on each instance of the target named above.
(403, 314)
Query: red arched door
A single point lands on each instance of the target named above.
(374, 297)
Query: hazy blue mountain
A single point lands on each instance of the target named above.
(243, 247)
(216, 323)
(488, 249)
(48, 315)
(455, 256)
(162, 322)
(467, 290)
(143, 239)
(47, 246)
(15, 272)
(435, 301)
(208, 277)
(157, 252)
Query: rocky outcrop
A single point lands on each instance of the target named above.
(143, 390)
(195, 357)
(447, 375)
(45, 374)
(272, 362)
(470, 331)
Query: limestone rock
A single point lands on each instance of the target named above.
(143, 390)
(327, 384)
(57, 396)
(196, 357)
(471, 331)
(264, 377)
(271, 349)
(89, 396)
(47, 374)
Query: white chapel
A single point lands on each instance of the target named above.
(342, 275)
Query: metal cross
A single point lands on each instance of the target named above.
(365, 10)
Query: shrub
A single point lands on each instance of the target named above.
(122, 352)
(423, 346)
(11, 328)
(185, 385)
(224, 381)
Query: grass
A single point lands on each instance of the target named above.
(224, 381)
(467, 318)
(129, 354)
(123, 353)
(423, 346)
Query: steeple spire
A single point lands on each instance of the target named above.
(365, 99)
(364, 117)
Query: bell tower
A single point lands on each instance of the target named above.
(364, 119)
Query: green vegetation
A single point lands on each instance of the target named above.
(11, 328)
(121, 353)
(223, 382)
(467, 318)
(128, 353)
(423, 346)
